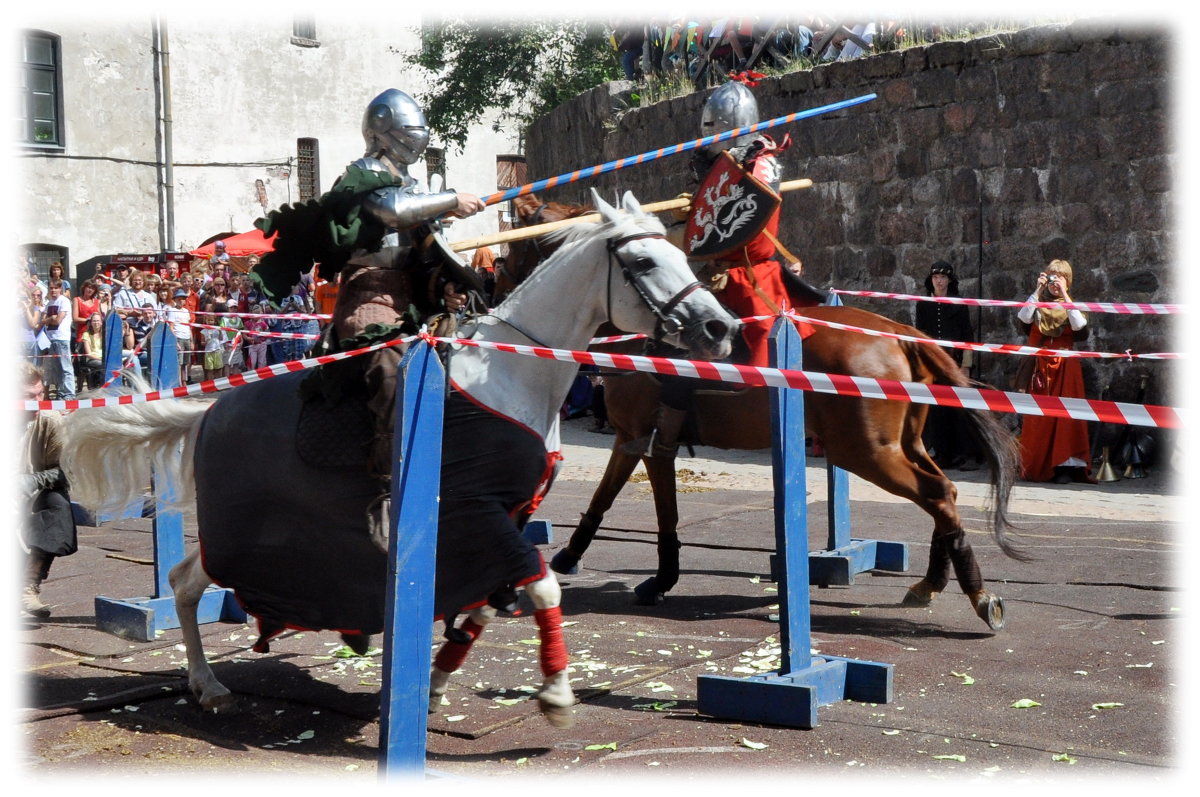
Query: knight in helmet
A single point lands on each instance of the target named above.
(729, 233)
(377, 232)
(408, 262)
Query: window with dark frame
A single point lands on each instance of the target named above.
(435, 163)
(41, 90)
(304, 31)
(308, 168)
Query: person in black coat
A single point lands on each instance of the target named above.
(947, 434)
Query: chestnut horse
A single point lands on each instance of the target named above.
(524, 255)
(877, 440)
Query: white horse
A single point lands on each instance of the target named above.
(290, 537)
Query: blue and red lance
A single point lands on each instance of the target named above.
(653, 155)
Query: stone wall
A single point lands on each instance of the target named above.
(997, 154)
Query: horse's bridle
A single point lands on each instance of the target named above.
(667, 324)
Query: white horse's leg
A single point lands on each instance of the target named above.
(188, 582)
(452, 654)
(555, 697)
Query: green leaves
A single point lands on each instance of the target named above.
(524, 69)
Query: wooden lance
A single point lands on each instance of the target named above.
(523, 233)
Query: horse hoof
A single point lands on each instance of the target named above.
(565, 562)
(558, 716)
(648, 594)
(990, 609)
(917, 600)
(359, 643)
(221, 704)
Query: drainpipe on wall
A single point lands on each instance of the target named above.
(163, 125)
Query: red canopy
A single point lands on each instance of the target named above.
(240, 245)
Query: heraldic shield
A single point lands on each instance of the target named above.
(728, 210)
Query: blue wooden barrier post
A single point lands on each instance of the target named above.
(412, 559)
(142, 618)
(845, 556)
(791, 696)
(114, 336)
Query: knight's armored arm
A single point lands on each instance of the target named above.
(401, 210)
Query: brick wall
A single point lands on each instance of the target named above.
(1051, 142)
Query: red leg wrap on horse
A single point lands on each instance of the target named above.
(554, 648)
(452, 654)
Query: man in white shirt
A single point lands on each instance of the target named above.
(131, 297)
(57, 322)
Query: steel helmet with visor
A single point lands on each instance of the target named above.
(394, 125)
(729, 107)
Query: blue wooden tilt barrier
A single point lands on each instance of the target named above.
(790, 697)
(412, 560)
(844, 556)
(141, 618)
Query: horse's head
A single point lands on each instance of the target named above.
(659, 295)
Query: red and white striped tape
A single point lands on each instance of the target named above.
(262, 334)
(750, 375)
(211, 385)
(1126, 308)
(282, 316)
(1001, 348)
(865, 387)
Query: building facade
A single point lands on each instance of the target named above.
(158, 134)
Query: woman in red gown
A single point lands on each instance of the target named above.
(1055, 449)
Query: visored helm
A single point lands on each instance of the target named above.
(730, 107)
(395, 125)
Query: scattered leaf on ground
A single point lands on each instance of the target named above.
(752, 745)
(1025, 703)
(966, 679)
(609, 746)
(954, 757)
(1099, 706)
(1063, 757)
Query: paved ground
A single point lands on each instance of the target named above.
(1093, 645)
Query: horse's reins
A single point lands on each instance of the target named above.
(667, 323)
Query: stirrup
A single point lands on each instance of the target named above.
(379, 521)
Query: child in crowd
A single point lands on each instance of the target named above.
(180, 320)
(214, 351)
(233, 341)
(257, 347)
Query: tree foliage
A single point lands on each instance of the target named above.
(523, 68)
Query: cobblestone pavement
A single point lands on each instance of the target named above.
(1092, 648)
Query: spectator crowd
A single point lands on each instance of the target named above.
(216, 315)
(689, 45)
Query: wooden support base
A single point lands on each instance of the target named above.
(837, 567)
(791, 699)
(141, 619)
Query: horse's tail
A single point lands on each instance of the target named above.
(109, 452)
(997, 443)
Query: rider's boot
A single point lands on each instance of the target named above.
(37, 566)
(664, 440)
(380, 377)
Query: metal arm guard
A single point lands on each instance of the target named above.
(401, 209)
